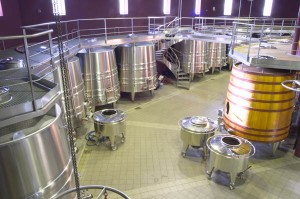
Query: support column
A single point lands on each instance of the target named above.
(295, 43)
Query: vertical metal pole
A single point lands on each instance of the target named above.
(149, 31)
(282, 23)
(105, 31)
(249, 47)
(66, 31)
(78, 30)
(296, 36)
(29, 70)
(131, 26)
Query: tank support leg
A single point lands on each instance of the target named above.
(233, 176)
(184, 149)
(275, 146)
(209, 172)
(112, 143)
(205, 152)
(132, 96)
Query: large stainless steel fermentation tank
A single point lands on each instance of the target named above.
(76, 85)
(101, 76)
(230, 154)
(137, 67)
(216, 55)
(192, 55)
(35, 160)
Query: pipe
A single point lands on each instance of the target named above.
(296, 36)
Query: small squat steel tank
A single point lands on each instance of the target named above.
(110, 123)
(195, 131)
(230, 154)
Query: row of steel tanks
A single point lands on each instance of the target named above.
(198, 56)
(108, 71)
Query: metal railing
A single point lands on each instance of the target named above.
(10, 81)
(260, 35)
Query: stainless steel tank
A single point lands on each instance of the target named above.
(230, 154)
(110, 123)
(195, 131)
(76, 97)
(35, 160)
(216, 55)
(137, 67)
(101, 76)
(193, 56)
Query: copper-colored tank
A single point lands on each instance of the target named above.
(257, 107)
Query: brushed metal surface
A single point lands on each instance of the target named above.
(110, 123)
(216, 55)
(76, 85)
(195, 135)
(137, 67)
(35, 160)
(193, 56)
(222, 156)
(101, 76)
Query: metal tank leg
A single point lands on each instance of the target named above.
(205, 152)
(209, 172)
(112, 143)
(123, 139)
(233, 176)
(184, 149)
(132, 96)
(275, 146)
(151, 92)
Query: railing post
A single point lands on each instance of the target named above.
(149, 30)
(29, 70)
(66, 30)
(131, 26)
(249, 47)
(78, 30)
(105, 31)
(282, 23)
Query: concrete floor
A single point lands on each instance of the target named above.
(149, 164)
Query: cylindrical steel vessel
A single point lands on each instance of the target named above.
(76, 86)
(110, 123)
(229, 153)
(194, 132)
(35, 160)
(257, 107)
(101, 76)
(193, 56)
(137, 67)
(217, 55)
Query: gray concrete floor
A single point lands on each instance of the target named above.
(149, 164)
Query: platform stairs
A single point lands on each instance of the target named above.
(167, 55)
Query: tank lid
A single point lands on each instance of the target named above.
(230, 146)
(109, 116)
(198, 124)
(11, 63)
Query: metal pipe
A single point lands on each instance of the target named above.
(26, 36)
(29, 70)
(296, 36)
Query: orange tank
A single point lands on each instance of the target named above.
(257, 107)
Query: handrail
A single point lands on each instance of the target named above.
(26, 36)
